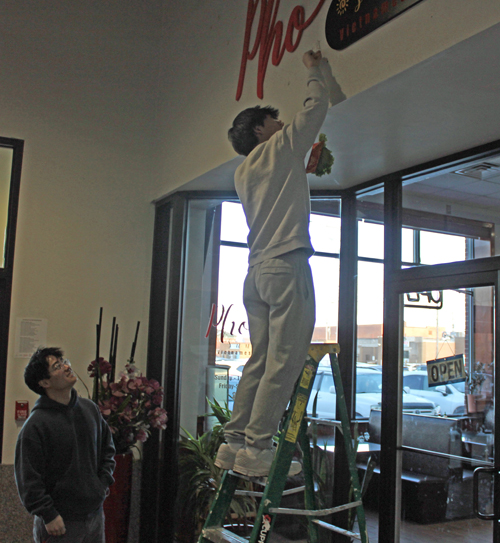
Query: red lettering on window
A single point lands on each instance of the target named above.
(384, 8)
(269, 36)
(223, 320)
(210, 320)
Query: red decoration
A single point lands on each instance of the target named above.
(269, 36)
(117, 504)
(315, 155)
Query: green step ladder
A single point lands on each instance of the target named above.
(295, 429)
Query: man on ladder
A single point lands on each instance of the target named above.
(278, 293)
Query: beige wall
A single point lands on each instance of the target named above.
(120, 102)
(78, 85)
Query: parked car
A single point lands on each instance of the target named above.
(368, 396)
(450, 397)
(368, 366)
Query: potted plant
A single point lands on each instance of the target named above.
(131, 405)
(199, 480)
(475, 398)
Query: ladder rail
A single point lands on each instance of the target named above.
(332, 528)
(348, 444)
(221, 535)
(315, 512)
(258, 494)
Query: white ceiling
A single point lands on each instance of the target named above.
(452, 187)
(446, 104)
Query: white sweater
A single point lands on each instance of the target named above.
(272, 183)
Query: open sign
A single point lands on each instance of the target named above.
(446, 370)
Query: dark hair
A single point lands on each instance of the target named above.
(38, 368)
(242, 134)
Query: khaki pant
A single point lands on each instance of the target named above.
(279, 299)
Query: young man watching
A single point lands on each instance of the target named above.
(64, 455)
(278, 292)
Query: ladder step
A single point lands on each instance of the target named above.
(315, 512)
(332, 528)
(220, 535)
(256, 494)
(324, 422)
(262, 481)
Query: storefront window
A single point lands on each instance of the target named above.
(369, 332)
(233, 346)
(438, 248)
(370, 282)
(198, 380)
(370, 239)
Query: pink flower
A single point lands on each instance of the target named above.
(104, 366)
(157, 398)
(158, 418)
(131, 405)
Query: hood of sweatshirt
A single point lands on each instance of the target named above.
(44, 402)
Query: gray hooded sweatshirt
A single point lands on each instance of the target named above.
(64, 459)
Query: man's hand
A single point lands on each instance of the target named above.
(311, 58)
(56, 526)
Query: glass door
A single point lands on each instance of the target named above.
(448, 457)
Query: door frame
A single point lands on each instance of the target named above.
(7, 272)
(472, 273)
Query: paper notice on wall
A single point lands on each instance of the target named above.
(30, 334)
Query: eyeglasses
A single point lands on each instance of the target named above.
(59, 364)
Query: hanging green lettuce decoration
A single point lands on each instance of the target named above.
(321, 159)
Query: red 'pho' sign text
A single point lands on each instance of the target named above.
(269, 36)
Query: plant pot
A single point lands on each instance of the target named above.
(117, 504)
(471, 403)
